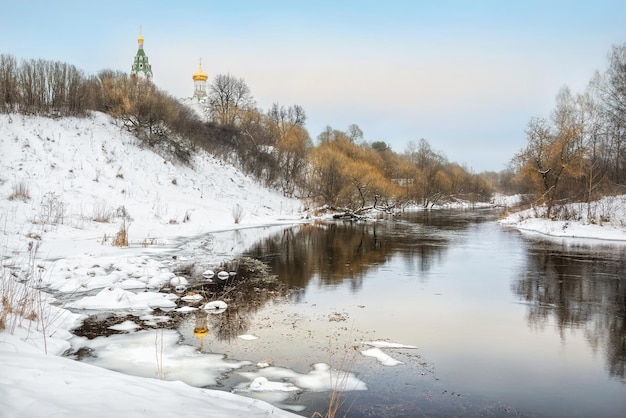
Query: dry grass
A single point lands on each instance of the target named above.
(20, 191)
(20, 298)
(339, 385)
(101, 212)
(121, 237)
(238, 212)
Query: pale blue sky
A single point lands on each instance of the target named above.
(465, 75)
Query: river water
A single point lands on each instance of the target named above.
(502, 323)
(505, 324)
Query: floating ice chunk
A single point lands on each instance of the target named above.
(261, 384)
(179, 284)
(192, 298)
(208, 274)
(386, 344)
(248, 337)
(124, 326)
(272, 396)
(216, 306)
(184, 309)
(383, 358)
(223, 275)
(178, 281)
(321, 378)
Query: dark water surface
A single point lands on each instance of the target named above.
(505, 324)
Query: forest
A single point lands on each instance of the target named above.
(576, 154)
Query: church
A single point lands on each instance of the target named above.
(199, 83)
(141, 68)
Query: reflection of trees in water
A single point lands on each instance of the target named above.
(579, 290)
(245, 293)
(232, 322)
(339, 252)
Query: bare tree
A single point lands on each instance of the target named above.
(427, 183)
(9, 101)
(354, 132)
(228, 96)
(610, 88)
(291, 144)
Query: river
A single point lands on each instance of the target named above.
(500, 323)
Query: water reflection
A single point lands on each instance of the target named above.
(340, 252)
(579, 287)
(463, 313)
(249, 289)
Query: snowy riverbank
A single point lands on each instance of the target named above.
(601, 220)
(67, 188)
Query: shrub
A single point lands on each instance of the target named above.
(237, 212)
(101, 212)
(52, 209)
(20, 191)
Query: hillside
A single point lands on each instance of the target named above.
(67, 188)
(80, 176)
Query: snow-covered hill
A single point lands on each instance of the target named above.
(82, 175)
(67, 187)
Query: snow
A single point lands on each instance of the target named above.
(247, 337)
(35, 385)
(382, 357)
(216, 306)
(125, 326)
(601, 220)
(117, 298)
(157, 354)
(86, 178)
(387, 344)
(321, 378)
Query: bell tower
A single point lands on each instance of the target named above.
(141, 67)
(199, 82)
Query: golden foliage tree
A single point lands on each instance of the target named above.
(349, 175)
(555, 156)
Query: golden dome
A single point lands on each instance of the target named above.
(140, 39)
(200, 75)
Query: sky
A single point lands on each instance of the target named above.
(465, 76)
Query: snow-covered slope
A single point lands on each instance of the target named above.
(77, 171)
(67, 187)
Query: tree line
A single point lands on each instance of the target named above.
(41, 87)
(578, 153)
(341, 170)
(56, 89)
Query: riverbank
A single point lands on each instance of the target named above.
(71, 191)
(601, 220)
